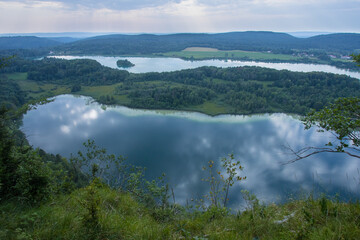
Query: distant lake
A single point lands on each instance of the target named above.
(143, 65)
(180, 143)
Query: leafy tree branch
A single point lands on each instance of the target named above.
(342, 119)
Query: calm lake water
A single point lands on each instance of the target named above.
(180, 143)
(143, 65)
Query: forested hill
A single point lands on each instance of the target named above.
(119, 44)
(26, 42)
(344, 41)
(251, 41)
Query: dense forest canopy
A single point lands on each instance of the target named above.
(245, 89)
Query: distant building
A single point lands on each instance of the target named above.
(346, 57)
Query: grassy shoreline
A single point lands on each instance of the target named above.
(38, 90)
(118, 94)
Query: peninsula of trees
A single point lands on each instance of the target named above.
(238, 90)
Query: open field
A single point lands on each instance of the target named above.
(209, 53)
(16, 76)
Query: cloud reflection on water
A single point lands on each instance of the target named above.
(180, 143)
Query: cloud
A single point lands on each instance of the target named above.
(90, 115)
(178, 15)
(31, 5)
(93, 4)
(65, 129)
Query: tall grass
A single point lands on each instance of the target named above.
(122, 217)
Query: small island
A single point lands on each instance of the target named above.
(124, 63)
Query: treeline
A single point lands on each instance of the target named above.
(317, 58)
(80, 71)
(85, 72)
(345, 43)
(250, 41)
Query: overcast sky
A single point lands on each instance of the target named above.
(161, 16)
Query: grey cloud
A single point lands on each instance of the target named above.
(109, 4)
(120, 4)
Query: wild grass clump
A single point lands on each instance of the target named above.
(120, 216)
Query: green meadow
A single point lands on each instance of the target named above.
(200, 53)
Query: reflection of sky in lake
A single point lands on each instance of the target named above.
(180, 143)
(143, 65)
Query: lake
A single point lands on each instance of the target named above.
(143, 64)
(181, 143)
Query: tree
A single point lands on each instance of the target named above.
(4, 61)
(342, 119)
(76, 88)
(220, 183)
(356, 58)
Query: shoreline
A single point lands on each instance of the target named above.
(179, 111)
(199, 59)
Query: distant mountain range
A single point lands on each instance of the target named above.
(26, 42)
(117, 44)
(250, 41)
(76, 35)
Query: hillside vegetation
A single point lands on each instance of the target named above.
(95, 195)
(120, 216)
